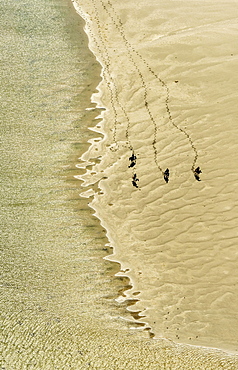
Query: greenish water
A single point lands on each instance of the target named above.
(52, 249)
(57, 293)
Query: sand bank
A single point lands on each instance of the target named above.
(57, 292)
(169, 89)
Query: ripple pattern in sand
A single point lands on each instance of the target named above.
(175, 239)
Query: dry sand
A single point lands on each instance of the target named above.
(57, 293)
(169, 88)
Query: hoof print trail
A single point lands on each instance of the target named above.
(166, 175)
(114, 91)
(111, 84)
(112, 87)
(131, 52)
(131, 55)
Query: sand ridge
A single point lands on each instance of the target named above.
(169, 91)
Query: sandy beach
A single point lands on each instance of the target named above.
(164, 188)
(64, 304)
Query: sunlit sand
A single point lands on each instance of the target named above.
(168, 157)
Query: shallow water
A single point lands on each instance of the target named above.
(53, 277)
(169, 89)
(57, 293)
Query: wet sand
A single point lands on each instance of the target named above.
(58, 307)
(169, 89)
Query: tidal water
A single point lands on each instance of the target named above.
(57, 293)
(52, 248)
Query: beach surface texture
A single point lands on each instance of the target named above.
(58, 294)
(162, 168)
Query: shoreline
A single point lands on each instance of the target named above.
(103, 189)
(57, 296)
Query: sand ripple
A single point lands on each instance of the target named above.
(169, 88)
